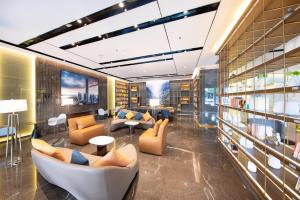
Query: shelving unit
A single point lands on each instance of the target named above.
(121, 94)
(185, 96)
(259, 95)
(134, 96)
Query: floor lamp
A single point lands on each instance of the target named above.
(12, 107)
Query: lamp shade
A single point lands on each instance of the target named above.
(154, 102)
(13, 105)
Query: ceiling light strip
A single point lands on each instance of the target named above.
(159, 76)
(153, 55)
(138, 63)
(89, 19)
(160, 21)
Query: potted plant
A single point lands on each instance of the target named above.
(294, 78)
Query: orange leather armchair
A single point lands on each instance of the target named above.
(82, 129)
(151, 143)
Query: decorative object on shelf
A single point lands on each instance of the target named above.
(246, 143)
(274, 139)
(261, 131)
(278, 107)
(13, 107)
(296, 150)
(251, 166)
(292, 108)
(297, 187)
(294, 78)
(274, 162)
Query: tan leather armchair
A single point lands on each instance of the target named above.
(151, 143)
(81, 129)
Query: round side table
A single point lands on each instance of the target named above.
(101, 142)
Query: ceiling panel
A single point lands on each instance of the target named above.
(186, 62)
(144, 42)
(164, 67)
(23, 20)
(126, 19)
(177, 6)
(59, 53)
(189, 32)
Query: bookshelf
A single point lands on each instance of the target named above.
(135, 95)
(121, 94)
(259, 97)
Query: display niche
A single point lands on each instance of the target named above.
(121, 94)
(259, 114)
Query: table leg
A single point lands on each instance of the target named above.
(101, 150)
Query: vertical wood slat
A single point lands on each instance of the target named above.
(48, 101)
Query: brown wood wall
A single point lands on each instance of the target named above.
(48, 101)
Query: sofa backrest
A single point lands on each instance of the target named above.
(162, 131)
(73, 121)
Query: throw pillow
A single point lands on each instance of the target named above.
(86, 121)
(147, 116)
(156, 126)
(165, 113)
(78, 158)
(138, 116)
(47, 149)
(121, 115)
(129, 115)
(113, 158)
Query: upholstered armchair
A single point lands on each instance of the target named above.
(150, 142)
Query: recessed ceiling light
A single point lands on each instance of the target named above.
(68, 25)
(100, 36)
(185, 12)
(125, 10)
(121, 4)
(135, 26)
(79, 21)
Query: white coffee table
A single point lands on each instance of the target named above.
(101, 142)
(131, 124)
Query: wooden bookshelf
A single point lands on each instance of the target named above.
(121, 94)
(135, 95)
(255, 64)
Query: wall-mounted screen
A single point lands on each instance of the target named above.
(77, 89)
(159, 89)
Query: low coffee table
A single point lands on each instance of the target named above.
(101, 142)
(131, 124)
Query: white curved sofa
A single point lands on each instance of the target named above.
(86, 182)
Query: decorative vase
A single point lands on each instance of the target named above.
(274, 162)
(251, 167)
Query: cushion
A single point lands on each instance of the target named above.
(47, 149)
(147, 116)
(156, 126)
(78, 158)
(84, 122)
(113, 158)
(138, 116)
(165, 113)
(121, 115)
(130, 115)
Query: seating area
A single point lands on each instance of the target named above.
(150, 100)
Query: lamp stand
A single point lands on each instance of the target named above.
(13, 121)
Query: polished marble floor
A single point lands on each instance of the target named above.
(193, 166)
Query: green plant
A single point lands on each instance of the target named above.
(259, 76)
(294, 73)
